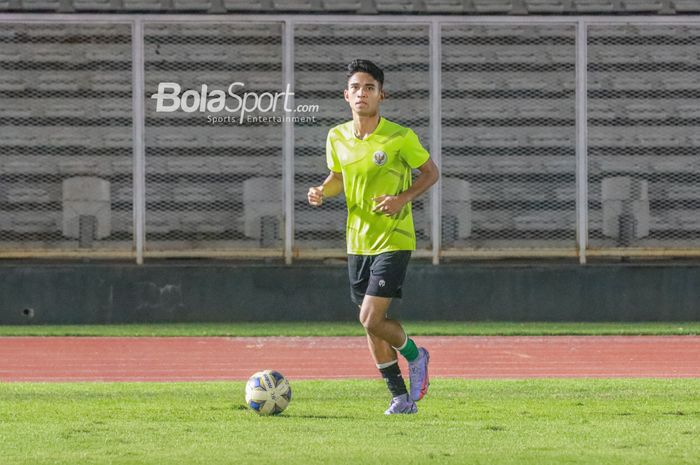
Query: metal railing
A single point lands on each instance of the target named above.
(556, 136)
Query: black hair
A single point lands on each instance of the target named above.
(366, 66)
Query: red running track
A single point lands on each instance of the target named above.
(218, 358)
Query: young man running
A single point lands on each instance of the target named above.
(371, 158)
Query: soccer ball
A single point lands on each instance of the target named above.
(268, 392)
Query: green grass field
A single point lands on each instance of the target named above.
(554, 421)
(416, 328)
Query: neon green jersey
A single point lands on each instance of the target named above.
(380, 164)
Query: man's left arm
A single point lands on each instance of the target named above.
(392, 204)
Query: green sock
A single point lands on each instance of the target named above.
(409, 350)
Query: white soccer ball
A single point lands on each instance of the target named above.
(268, 392)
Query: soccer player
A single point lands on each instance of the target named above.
(371, 159)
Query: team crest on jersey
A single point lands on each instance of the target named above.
(379, 158)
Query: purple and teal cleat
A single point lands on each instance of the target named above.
(401, 404)
(418, 374)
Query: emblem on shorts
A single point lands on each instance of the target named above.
(382, 283)
(379, 158)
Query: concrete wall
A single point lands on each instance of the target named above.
(102, 293)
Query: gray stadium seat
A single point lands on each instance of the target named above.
(665, 55)
(631, 83)
(115, 81)
(10, 53)
(244, 5)
(192, 5)
(117, 139)
(473, 83)
(92, 5)
(688, 111)
(686, 6)
(543, 220)
(36, 5)
(69, 138)
(16, 110)
(565, 193)
(174, 140)
(83, 166)
(494, 220)
(57, 82)
(46, 165)
(674, 165)
(293, 5)
(593, 6)
(541, 110)
(544, 6)
(517, 56)
(444, 6)
(28, 194)
(551, 138)
(658, 139)
(622, 164)
(394, 6)
(125, 194)
(680, 192)
(234, 139)
(680, 83)
(335, 6)
(318, 81)
(493, 6)
(24, 137)
(618, 56)
(122, 109)
(645, 111)
(65, 109)
(496, 139)
(516, 165)
(35, 222)
(560, 165)
(165, 222)
(203, 223)
(312, 221)
(192, 165)
(641, 6)
(193, 194)
(604, 139)
(143, 5)
(601, 109)
(454, 55)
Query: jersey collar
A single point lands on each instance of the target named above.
(351, 133)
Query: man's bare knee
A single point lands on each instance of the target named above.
(373, 313)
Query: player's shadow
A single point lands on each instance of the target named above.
(318, 417)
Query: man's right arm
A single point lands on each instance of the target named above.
(332, 186)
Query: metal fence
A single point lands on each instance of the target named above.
(556, 137)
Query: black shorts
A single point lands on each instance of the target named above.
(379, 275)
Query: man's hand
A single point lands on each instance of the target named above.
(315, 196)
(388, 204)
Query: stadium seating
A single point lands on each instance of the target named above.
(518, 171)
(524, 7)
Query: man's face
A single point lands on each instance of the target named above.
(363, 94)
